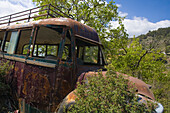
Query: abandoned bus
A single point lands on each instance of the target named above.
(47, 56)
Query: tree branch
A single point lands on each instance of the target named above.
(141, 59)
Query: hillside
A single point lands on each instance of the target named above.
(157, 39)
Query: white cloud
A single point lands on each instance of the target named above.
(12, 6)
(141, 25)
(118, 5)
(122, 14)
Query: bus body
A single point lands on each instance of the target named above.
(47, 56)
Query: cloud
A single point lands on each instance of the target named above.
(122, 14)
(141, 25)
(118, 5)
(12, 6)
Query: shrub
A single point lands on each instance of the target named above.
(107, 95)
(6, 96)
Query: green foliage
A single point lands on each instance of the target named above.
(161, 91)
(159, 40)
(136, 61)
(4, 87)
(109, 94)
(146, 63)
(94, 13)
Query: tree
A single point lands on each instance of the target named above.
(147, 64)
(94, 13)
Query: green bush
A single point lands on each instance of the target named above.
(110, 94)
(6, 96)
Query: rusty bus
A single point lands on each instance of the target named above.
(48, 56)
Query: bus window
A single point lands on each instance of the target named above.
(91, 54)
(23, 42)
(11, 46)
(7, 41)
(88, 52)
(47, 42)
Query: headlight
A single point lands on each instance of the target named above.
(159, 108)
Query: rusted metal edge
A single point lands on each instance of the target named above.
(44, 64)
(14, 58)
(88, 40)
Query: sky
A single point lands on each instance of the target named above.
(141, 15)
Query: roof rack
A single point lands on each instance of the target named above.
(45, 11)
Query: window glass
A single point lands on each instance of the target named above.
(7, 41)
(91, 54)
(13, 42)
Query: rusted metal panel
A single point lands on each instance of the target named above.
(42, 87)
(142, 87)
(77, 27)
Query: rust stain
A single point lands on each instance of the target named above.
(71, 97)
(30, 89)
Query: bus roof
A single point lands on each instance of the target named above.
(78, 28)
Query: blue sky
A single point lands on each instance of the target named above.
(141, 15)
(153, 10)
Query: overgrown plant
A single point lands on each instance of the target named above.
(109, 94)
(7, 103)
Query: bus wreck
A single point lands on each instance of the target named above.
(48, 56)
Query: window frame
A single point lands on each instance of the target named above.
(100, 57)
